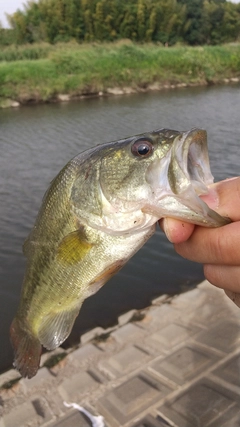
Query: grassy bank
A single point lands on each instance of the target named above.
(41, 73)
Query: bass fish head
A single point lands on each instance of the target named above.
(147, 177)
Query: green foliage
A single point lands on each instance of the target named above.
(27, 51)
(194, 22)
(7, 37)
(78, 69)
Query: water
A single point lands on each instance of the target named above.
(37, 141)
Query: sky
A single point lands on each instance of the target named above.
(10, 6)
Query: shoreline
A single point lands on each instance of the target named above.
(111, 91)
(69, 72)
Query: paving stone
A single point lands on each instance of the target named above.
(125, 361)
(190, 376)
(206, 313)
(42, 409)
(231, 418)
(90, 335)
(200, 405)
(173, 335)
(126, 317)
(160, 300)
(127, 332)
(72, 419)
(86, 352)
(150, 421)
(28, 413)
(159, 316)
(48, 355)
(10, 390)
(189, 300)
(230, 371)
(184, 364)
(196, 298)
(8, 376)
(131, 398)
(225, 335)
(97, 375)
(209, 289)
(19, 416)
(42, 375)
(77, 384)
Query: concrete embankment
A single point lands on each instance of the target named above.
(175, 363)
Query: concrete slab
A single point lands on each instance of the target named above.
(172, 335)
(85, 353)
(126, 317)
(19, 416)
(8, 376)
(230, 371)
(184, 364)
(202, 404)
(36, 412)
(231, 418)
(76, 385)
(123, 362)
(223, 335)
(131, 398)
(150, 421)
(176, 364)
(72, 419)
(42, 376)
(160, 316)
(127, 333)
(90, 335)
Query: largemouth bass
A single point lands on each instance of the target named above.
(98, 212)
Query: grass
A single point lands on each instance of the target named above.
(40, 72)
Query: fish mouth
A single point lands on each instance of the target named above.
(189, 163)
(188, 176)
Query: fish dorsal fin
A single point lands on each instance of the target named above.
(73, 247)
(56, 327)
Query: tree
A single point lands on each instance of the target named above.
(195, 25)
(194, 22)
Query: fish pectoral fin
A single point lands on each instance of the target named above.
(56, 327)
(73, 247)
(105, 275)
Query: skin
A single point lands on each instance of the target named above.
(216, 248)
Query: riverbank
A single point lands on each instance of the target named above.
(47, 73)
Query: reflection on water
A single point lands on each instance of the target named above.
(37, 141)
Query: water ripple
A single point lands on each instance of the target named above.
(37, 141)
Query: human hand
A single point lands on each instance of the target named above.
(218, 249)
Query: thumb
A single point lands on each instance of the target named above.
(224, 198)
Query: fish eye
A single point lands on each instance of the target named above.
(142, 148)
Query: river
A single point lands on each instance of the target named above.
(36, 142)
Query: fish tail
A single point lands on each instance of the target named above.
(27, 349)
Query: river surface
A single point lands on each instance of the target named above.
(37, 141)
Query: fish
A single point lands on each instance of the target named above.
(98, 212)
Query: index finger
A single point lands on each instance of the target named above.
(214, 246)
